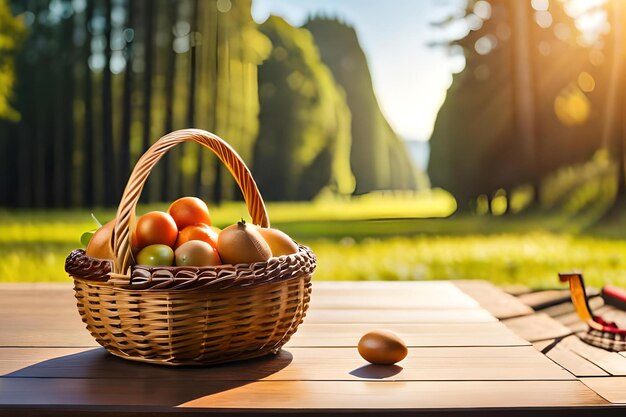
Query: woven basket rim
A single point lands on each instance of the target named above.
(128, 290)
(82, 267)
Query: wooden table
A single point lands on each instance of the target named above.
(462, 360)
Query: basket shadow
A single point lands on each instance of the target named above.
(97, 377)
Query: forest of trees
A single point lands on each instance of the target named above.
(87, 85)
(537, 94)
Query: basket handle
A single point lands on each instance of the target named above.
(130, 197)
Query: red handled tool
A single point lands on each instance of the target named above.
(601, 333)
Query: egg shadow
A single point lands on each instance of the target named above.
(97, 377)
(372, 371)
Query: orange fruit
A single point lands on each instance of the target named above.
(100, 245)
(280, 243)
(187, 211)
(198, 231)
(197, 253)
(154, 228)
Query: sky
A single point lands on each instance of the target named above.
(410, 77)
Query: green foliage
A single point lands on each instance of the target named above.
(379, 158)
(12, 32)
(397, 246)
(566, 187)
(34, 244)
(90, 106)
(304, 136)
(516, 112)
(240, 49)
(532, 259)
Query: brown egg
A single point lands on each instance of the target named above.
(382, 347)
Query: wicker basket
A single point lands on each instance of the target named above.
(184, 315)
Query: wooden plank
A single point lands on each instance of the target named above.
(299, 395)
(398, 316)
(611, 362)
(372, 295)
(573, 321)
(537, 327)
(414, 296)
(429, 286)
(308, 335)
(62, 295)
(569, 360)
(375, 299)
(48, 308)
(493, 299)
(612, 389)
(67, 330)
(416, 335)
(539, 300)
(43, 337)
(394, 395)
(14, 322)
(296, 364)
(36, 286)
(568, 308)
(299, 377)
(515, 289)
(16, 359)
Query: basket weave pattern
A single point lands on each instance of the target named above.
(606, 340)
(183, 315)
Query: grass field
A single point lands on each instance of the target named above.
(395, 237)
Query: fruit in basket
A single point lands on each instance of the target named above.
(197, 253)
(188, 211)
(279, 242)
(100, 245)
(241, 243)
(198, 231)
(156, 255)
(382, 347)
(155, 227)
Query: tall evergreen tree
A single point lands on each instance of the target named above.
(512, 114)
(305, 136)
(12, 33)
(379, 158)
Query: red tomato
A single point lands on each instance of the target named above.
(187, 211)
(198, 231)
(154, 228)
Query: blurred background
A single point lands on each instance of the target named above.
(402, 140)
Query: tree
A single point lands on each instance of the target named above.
(111, 191)
(614, 126)
(239, 47)
(378, 156)
(304, 137)
(516, 112)
(12, 32)
(127, 107)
